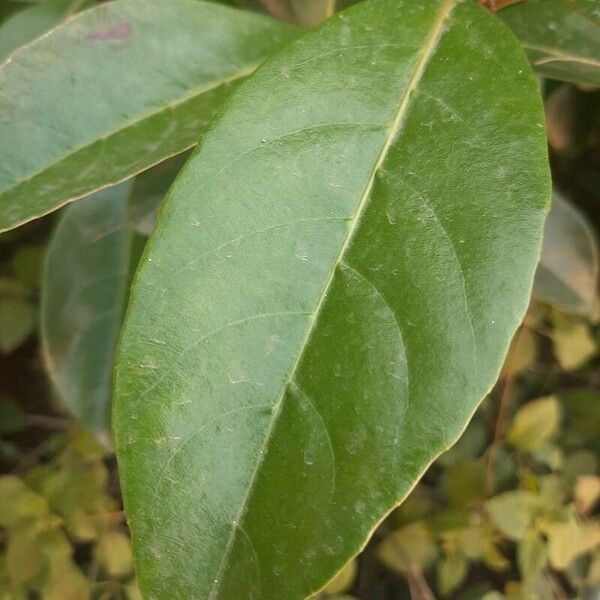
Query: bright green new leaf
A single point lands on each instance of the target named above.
(567, 276)
(85, 281)
(60, 142)
(329, 292)
(561, 37)
(29, 23)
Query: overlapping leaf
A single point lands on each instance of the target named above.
(115, 90)
(329, 292)
(94, 249)
(567, 275)
(83, 296)
(561, 37)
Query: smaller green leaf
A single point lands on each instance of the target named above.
(113, 553)
(549, 455)
(451, 572)
(411, 545)
(567, 275)
(535, 423)
(562, 39)
(573, 342)
(19, 503)
(24, 561)
(85, 281)
(64, 579)
(568, 540)
(531, 554)
(512, 512)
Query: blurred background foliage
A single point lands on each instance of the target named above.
(511, 511)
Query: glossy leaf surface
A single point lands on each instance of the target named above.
(330, 290)
(59, 142)
(561, 37)
(86, 274)
(567, 275)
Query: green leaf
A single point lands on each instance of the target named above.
(330, 290)
(531, 554)
(451, 573)
(586, 493)
(29, 23)
(411, 545)
(86, 275)
(573, 342)
(534, 424)
(512, 512)
(113, 554)
(567, 275)
(568, 540)
(60, 142)
(561, 37)
(19, 501)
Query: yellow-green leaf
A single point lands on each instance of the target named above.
(534, 423)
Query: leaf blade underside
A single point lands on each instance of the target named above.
(318, 288)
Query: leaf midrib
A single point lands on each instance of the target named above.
(425, 53)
